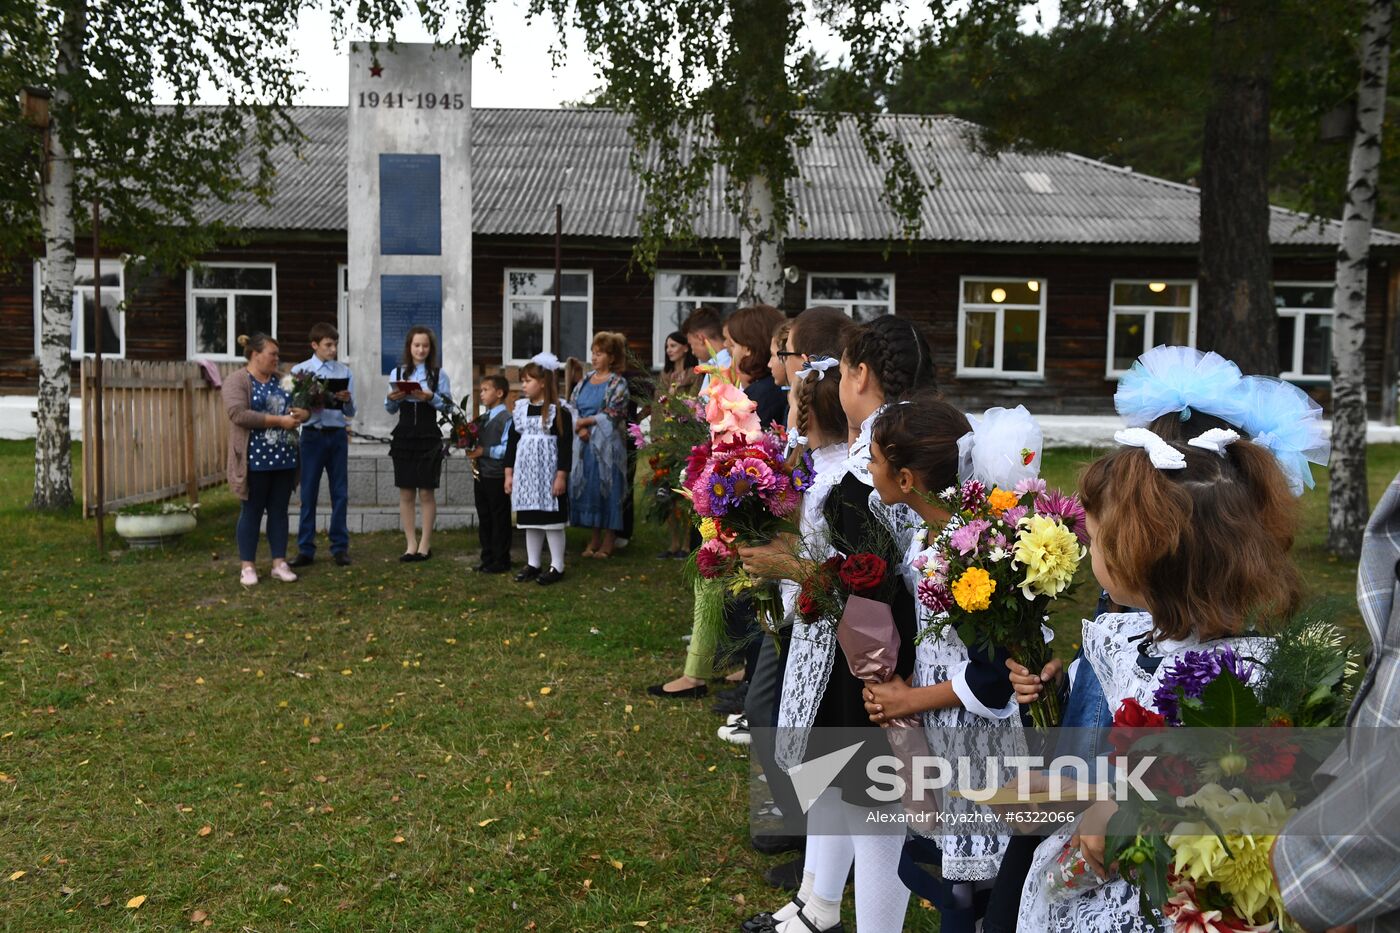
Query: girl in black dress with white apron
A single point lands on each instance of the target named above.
(539, 455)
(416, 448)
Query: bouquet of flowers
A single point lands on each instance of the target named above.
(739, 482)
(1230, 781)
(307, 391)
(463, 431)
(992, 575)
(676, 426)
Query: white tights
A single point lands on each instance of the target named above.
(534, 547)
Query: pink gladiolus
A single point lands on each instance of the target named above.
(639, 438)
(730, 413)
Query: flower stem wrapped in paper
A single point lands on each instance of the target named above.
(1011, 547)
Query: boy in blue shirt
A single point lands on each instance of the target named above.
(489, 468)
(325, 446)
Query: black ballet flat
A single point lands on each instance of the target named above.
(689, 693)
(422, 557)
(408, 557)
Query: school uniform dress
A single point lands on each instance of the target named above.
(598, 484)
(535, 453)
(417, 440)
(325, 446)
(492, 503)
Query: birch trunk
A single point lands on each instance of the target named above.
(53, 472)
(760, 246)
(1348, 503)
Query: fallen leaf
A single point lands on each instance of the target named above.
(67, 891)
(545, 691)
(616, 864)
(488, 822)
(205, 830)
(18, 875)
(588, 884)
(398, 840)
(136, 902)
(641, 923)
(198, 916)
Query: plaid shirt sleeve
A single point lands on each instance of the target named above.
(1339, 860)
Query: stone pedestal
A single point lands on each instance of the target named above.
(374, 499)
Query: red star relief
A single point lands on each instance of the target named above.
(376, 71)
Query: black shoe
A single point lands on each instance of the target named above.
(764, 922)
(422, 557)
(787, 876)
(776, 845)
(499, 568)
(550, 577)
(301, 560)
(690, 693)
(526, 574)
(407, 557)
(341, 558)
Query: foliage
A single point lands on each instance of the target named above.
(160, 508)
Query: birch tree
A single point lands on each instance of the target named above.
(1348, 501)
(151, 168)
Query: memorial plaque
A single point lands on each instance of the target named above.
(410, 204)
(406, 301)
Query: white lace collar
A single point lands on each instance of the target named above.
(858, 458)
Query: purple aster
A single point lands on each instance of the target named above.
(1013, 515)
(934, 596)
(974, 494)
(968, 538)
(1191, 673)
(919, 563)
(1067, 509)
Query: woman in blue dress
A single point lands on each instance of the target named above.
(598, 483)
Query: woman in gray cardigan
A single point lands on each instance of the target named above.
(262, 454)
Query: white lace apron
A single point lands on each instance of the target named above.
(1111, 647)
(536, 461)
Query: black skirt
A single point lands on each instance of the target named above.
(417, 447)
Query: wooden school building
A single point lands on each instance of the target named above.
(1038, 277)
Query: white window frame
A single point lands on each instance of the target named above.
(1149, 312)
(848, 306)
(342, 310)
(1298, 314)
(660, 332)
(996, 371)
(191, 293)
(546, 302)
(79, 337)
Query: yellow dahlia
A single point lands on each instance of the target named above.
(973, 590)
(1249, 829)
(1050, 554)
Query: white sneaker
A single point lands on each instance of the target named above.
(284, 573)
(732, 718)
(737, 734)
(620, 543)
(248, 576)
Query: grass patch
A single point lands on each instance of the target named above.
(375, 746)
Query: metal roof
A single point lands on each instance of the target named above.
(526, 160)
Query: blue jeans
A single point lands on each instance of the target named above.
(328, 451)
(269, 491)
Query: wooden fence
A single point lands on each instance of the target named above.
(165, 433)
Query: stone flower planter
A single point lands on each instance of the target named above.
(152, 531)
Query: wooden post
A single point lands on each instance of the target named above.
(555, 335)
(191, 466)
(98, 319)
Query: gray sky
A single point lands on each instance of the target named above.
(525, 78)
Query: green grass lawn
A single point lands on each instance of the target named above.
(374, 747)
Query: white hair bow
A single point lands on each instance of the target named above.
(817, 365)
(547, 361)
(1215, 440)
(1163, 455)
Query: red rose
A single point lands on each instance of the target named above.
(1131, 723)
(862, 573)
(807, 606)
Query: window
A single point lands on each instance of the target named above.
(84, 310)
(863, 297)
(529, 313)
(342, 310)
(1304, 330)
(679, 293)
(1146, 314)
(1001, 327)
(227, 299)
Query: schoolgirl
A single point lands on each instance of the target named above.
(416, 448)
(539, 455)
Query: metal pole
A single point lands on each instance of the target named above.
(558, 278)
(98, 319)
